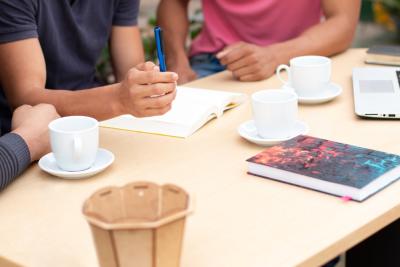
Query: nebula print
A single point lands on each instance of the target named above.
(327, 160)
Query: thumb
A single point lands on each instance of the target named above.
(146, 66)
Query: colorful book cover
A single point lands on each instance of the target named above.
(328, 160)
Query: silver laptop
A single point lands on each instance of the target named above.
(377, 92)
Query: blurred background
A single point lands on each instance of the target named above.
(379, 24)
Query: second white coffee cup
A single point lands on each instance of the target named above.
(74, 141)
(274, 112)
(308, 75)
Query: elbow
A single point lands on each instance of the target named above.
(31, 97)
(345, 36)
(15, 102)
(345, 43)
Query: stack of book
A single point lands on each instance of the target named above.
(384, 54)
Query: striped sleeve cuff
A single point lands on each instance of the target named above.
(14, 158)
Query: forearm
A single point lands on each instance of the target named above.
(126, 49)
(175, 29)
(327, 38)
(100, 103)
(14, 158)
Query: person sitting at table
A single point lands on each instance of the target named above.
(27, 142)
(49, 50)
(251, 38)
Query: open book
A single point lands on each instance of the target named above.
(331, 167)
(191, 109)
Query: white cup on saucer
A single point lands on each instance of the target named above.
(308, 75)
(274, 112)
(74, 141)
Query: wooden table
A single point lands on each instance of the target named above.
(240, 220)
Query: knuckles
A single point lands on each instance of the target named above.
(149, 65)
(132, 75)
(158, 102)
(150, 76)
(254, 58)
(257, 68)
(47, 107)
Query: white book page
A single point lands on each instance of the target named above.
(219, 99)
(191, 109)
(185, 112)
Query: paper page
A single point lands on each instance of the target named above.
(221, 100)
(184, 112)
(191, 109)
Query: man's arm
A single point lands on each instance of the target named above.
(23, 77)
(126, 49)
(249, 62)
(172, 17)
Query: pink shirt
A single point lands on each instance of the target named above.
(260, 22)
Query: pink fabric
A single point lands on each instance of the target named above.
(260, 22)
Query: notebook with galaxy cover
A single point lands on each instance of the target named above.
(191, 109)
(327, 166)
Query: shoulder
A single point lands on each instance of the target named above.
(29, 5)
(18, 19)
(18, 8)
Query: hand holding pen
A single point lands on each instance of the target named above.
(148, 90)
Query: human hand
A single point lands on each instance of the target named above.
(249, 62)
(31, 123)
(146, 91)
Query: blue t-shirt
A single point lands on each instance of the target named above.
(72, 34)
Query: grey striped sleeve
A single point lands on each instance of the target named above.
(14, 158)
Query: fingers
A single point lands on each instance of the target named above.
(146, 66)
(243, 62)
(235, 55)
(228, 49)
(252, 77)
(23, 108)
(48, 108)
(156, 89)
(136, 76)
(154, 106)
(249, 69)
(160, 101)
(158, 111)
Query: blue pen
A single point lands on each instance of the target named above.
(160, 49)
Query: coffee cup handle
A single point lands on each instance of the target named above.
(278, 73)
(77, 147)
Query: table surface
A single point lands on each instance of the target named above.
(240, 220)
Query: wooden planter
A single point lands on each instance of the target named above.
(140, 224)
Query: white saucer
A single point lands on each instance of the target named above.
(330, 92)
(248, 131)
(104, 159)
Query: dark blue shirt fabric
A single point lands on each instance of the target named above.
(72, 35)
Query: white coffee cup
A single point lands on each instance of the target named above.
(307, 74)
(74, 141)
(274, 112)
